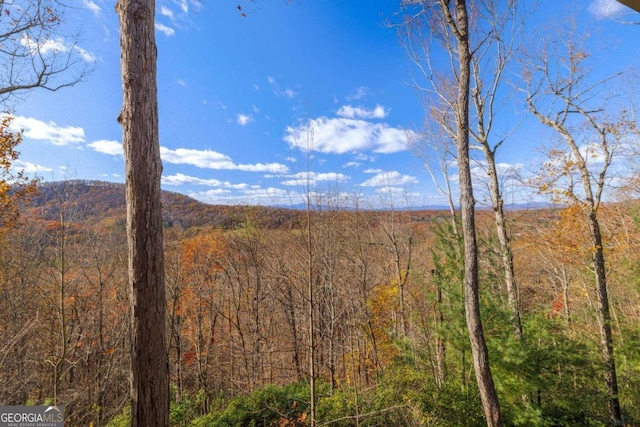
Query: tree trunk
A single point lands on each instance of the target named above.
(506, 255)
(460, 27)
(143, 169)
(604, 321)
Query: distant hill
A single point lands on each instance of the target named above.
(96, 200)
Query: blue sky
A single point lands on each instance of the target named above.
(236, 96)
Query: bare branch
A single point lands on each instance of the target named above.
(34, 52)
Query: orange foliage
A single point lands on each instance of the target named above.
(188, 358)
(14, 185)
(203, 249)
(565, 237)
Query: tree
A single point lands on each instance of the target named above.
(20, 308)
(14, 185)
(61, 265)
(496, 47)
(34, 54)
(561, 95)
(143, 170)
(495, 31)
(195, 303)
(436, 150)
(104, 320)
(450, 22)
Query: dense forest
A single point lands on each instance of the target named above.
(390, 345)
(133, 306)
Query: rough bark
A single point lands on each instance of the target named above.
(459, 25)
(143, 169)
(604, 320)
(490, 61)
(506, 254)
(567, 90)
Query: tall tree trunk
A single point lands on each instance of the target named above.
(573, 96)
(460, 27)
(604, 320)
(506, 254)
(143, 169)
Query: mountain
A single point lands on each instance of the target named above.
(96, 200)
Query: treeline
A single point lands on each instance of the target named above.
(96, 200)
(371, 304)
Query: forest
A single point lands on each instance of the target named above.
(336, 313)
(390, 344)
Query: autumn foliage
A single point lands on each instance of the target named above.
(14, 184)
(237, 316)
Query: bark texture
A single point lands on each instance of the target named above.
(506, 254)
(459, 25)
(604, 321)
(143, 169)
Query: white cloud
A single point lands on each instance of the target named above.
(312, 178)
(205, 159)
(262, 167)
(593, 154)
(165, 11)
(342, 135)
(167, 31)
(181, 82)
(390, 179)
(111, 147)
(92, 7)
(208, 159)
(211, 196)
(182, 179)
(54, 46)
(46, 47)
(51, 132)
(361, 113)
(85, 55)
(253, 196)
(244, 119)
(394, 195)
(178, 12)
(604, 8)
(362, 157)
(28, 167)
(270, 195)
(358, 93)
(276, 89)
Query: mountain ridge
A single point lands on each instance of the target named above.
(97, 200)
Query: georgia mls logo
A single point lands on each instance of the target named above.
(32, 416)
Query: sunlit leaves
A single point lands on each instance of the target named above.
(14, 184)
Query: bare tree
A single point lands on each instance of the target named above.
(495, 32)
(449, 24)
(33, 51)
(560, 93)
(61, 268)
(436, 149)
(143, 170)
(495, 49)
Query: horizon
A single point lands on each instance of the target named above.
(239, 95)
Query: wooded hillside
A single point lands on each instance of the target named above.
(390, 343)
(96, 201)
